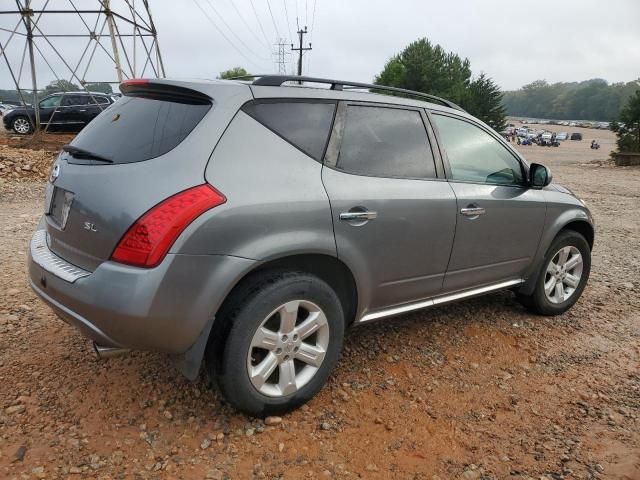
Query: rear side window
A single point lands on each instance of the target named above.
(306, 125)
(135, 129)
(385, 142)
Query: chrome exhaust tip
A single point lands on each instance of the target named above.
(108, 352)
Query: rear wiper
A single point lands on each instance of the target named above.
(78, 152)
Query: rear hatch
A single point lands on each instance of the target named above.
(137, 153)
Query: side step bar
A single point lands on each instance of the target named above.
(410, 307)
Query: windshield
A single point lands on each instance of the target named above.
(135, 129)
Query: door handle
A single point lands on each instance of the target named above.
(358, 216)
(472, 211)
(82, 110)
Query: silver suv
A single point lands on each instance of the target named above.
(248, 224)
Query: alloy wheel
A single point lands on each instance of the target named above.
(563, 274)
(21, 126)
(288, 348)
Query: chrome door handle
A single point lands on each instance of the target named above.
(472, 211)
(358, 215)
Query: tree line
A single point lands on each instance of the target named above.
(13, 96)
(594, 99)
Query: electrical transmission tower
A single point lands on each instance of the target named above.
(282, 56)
(103, 41)
(300, 49)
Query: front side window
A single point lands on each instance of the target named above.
(475, 156)
(50, 102)
(306, 125)
(385, 142)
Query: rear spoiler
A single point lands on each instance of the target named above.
(145, 88)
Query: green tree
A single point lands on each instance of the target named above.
(61, 86)
(423, 67)
(593, 99)
(99, 87)
(484, 100)
(232, 73)
(428, 68)
(627, 127)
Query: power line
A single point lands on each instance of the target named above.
(224, 35)
(251, 30)
(313, 21)
(259, 22)
(286, 13)
(249, 49)
(273, 19)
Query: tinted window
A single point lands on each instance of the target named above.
(137, 128)
(385, 142)
(475, 156)
(305, 125)
(74, 100)
(51, 101)
(93, 99)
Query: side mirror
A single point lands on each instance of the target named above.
(539, 176)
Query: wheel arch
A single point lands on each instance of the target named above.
(326, 267)
(577, 221)
(582, 227)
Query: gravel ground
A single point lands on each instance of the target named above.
(477, 390)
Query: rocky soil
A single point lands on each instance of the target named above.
(477, 390)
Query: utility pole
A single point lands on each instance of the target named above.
(112, 33)
(26, 13)
(300, 49)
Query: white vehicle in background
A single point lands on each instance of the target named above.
(5, 107)
(562, 136)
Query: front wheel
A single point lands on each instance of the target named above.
(21, 125)
(284, 340)
(563, 276)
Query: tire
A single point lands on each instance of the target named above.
(556, 302)
(268, 305)
(22, 125)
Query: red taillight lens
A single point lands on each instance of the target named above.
(135, 82)
(148, 240)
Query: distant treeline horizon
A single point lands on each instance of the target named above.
(594, 99)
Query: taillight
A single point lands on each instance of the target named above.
(148, 240)
(135, 82)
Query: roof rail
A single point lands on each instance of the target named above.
(278, 80)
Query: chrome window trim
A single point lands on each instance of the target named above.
(43, 256)
(410, 307)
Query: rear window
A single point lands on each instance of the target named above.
(305, 124)
(385, 142)
(135, 129)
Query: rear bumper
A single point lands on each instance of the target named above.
(162, 309)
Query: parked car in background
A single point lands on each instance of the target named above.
(250, 224)
(576, 136)
(562, 136)
(69, 111)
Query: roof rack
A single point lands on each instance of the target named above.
(278, 80)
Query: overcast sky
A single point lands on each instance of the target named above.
(513, 42)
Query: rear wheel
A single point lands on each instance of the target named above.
(563, 276)
(284, 339)
(21, 125)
